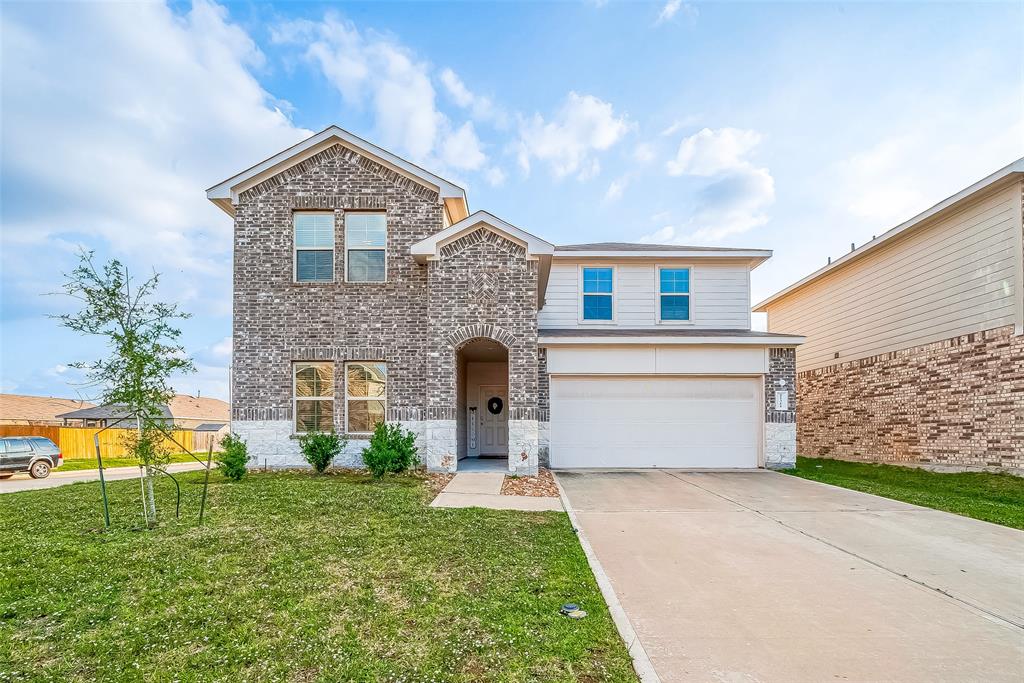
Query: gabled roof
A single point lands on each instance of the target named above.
(225, 194)
(1003, 176)
(429, 248)
(37, 408)
(180, 407)
(634, 246)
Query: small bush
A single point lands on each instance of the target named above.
(320, 448)
(391, 449)
(234, 458)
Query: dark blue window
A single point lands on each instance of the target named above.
(674, 286)
(597, 293)
(314, 266)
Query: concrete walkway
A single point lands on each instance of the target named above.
(483, 490)
(759, 576)
(23, 482)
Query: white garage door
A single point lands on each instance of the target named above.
(650, 421)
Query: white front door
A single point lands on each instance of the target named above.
(492, 408)
(653, 421)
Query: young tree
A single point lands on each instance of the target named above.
(143, 350)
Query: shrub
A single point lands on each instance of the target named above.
(320, 448)
(391, 449)
(233, 458)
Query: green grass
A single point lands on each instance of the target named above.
(997, 498)
(295, 577)
(90, 464)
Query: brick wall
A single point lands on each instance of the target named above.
(779, 420)
(957, 402)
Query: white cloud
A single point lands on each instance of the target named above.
(568, 142)
(644, 153)
(615, 189)
(710, 152)
(737, 195)
(480, 107)
(495, 176)
(672, 7)
(461, 149)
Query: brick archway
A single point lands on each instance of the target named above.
(481, 330)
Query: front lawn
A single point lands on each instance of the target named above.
(90, 463)
(997, 498)
(295, 578)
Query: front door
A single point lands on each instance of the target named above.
(493, 411)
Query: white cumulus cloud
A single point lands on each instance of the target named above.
(480, 107)
(671, 8)
(708, 152)
(568, 141)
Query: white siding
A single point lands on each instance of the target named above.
(720, 296)
(952, 277)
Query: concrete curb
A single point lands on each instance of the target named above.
(641, 662)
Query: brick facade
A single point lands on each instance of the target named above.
(483, 285)
(780, 420)
(958, 402)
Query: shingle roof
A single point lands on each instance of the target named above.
(659, 332)
(632, 246)
(210, 427)
(181, 407)
(37, 408)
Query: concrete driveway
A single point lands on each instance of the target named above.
(759, 576)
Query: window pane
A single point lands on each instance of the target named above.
(597, 280)
(363, 416)
(314, 416)
(675, 280)
(314, 266)
(675, 307)
(314, 230)
(597, 307)
(365, 230)
(367, 379)
(314, 379)
(365, 266)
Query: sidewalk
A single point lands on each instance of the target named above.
(483, 490)
(23, 482)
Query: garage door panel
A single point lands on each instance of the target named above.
(654, 422)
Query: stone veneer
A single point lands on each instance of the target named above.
(780, 420)
(958, 402)
(482, 286)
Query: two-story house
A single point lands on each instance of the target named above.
(365, 290)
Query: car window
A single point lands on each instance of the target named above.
(43, 444)
(17, 445)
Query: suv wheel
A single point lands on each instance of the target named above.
(40, 469)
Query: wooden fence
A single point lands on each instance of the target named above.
(76, 443)
(51, 432)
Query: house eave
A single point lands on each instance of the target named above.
(693, 340)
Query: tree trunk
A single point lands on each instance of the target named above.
(151, 499)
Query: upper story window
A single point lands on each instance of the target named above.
(314, 247)
(314, 397)
(598, 294)
(366, 236)
(366, 396)
(674, 294)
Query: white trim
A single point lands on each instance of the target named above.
(346, 398)
(296, 250)
(387, 240)
(581, 294)
(295, 398)
(430, 248)
(1016, 167)
(757, 255)
(658, 294)
(225, 194)
(1019, 252)
(789, 340)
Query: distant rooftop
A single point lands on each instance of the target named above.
(37, 408)
(633, 246)
(182, 407)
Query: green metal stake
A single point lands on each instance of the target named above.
(103, 481)
(206, 482)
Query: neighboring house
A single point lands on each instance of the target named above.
(915, 340)
(364, 290)
(16, 409)
(183, 411)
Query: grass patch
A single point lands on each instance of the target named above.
(90, 463)
(991, 497)
(295, 578)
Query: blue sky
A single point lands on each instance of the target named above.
(799, 127)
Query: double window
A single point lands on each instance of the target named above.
(598, 293)
(366, 395)
(314, 247)
(674, 294)
(366, 237)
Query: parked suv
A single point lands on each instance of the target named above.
(36, 455)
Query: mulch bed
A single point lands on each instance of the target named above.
(436, 481)
(541, 486)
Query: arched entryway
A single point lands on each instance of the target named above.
(482, 401)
